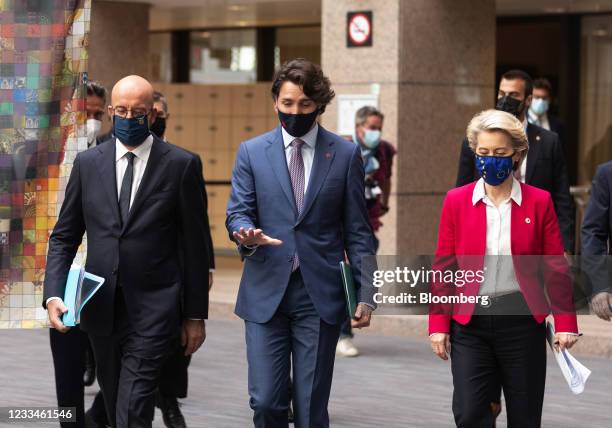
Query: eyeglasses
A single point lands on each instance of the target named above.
(136, 112)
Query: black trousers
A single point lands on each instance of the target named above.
(68, 351)
(493, 352)
(173, 381)
(128, 370)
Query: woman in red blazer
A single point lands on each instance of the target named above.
(507, 231)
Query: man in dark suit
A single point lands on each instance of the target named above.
(596, 240)
(297, 204)
(140, 201)
(544, 165)
(174, 374)
(539, 111)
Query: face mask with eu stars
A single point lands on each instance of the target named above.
(494, 170)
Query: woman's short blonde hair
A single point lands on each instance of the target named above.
(496, 120)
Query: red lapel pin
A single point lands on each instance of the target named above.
(328, 155)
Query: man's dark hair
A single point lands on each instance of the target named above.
(520, 75)
(361, 116)
(543, 83)
(94, 89)
(158, 97)
(309, 77)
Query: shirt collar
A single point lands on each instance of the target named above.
(479, 192)
(310, 138)
(140, 152)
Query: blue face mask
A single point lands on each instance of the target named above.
(131, 132)
(494, 170)
(539, 106)
(371, 138)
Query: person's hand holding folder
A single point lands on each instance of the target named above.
(56, 310)
(360, 314)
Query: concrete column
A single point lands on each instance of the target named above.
(433, 64)
(119, 41)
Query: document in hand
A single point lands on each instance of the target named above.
(574, 372)
(80, 288)
(349, 288)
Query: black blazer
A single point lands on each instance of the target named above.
(558, 128)
(159, 257)
(597, 230)
(546, 170)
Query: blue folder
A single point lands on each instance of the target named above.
(80, 288)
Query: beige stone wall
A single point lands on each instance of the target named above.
(119, 41)
(434, 61)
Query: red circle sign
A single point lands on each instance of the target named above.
(360, 29)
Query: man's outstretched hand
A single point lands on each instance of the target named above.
(254, 237)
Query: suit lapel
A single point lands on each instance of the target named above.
(323, 158)
(108, 176)
(533, 135)
(154, 171)
(276, 155)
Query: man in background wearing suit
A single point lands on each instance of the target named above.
(140, 201)
(73, 360)
(539, 111)
(297, 204)
(174, 376)
(543, 167)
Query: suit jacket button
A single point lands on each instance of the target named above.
(114, 271)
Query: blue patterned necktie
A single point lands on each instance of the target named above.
(298, 181)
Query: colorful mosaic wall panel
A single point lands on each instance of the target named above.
(43, 64)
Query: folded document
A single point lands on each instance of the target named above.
(80, 288)
(574, 372)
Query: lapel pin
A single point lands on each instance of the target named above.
(328, 155)
(538, 138)
(527, 220)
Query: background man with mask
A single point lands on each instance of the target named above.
(539, 111)
(543, 167)
(173, 380)
(73, 360)
(297, 204)
(377, 157)
(140, 201)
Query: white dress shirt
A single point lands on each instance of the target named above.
(541, 121)
(142, 153)
(308, 150)
(499, 278)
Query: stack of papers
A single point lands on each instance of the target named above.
(574, 372)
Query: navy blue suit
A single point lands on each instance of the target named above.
(298, 313)
(597, 231)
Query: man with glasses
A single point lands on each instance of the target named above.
(140, 201)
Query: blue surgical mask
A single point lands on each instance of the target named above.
(494, 170)
(539, 106)
(131, 132)
(371, 138)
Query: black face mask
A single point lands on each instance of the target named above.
(510, 105)
(159, 127)
(297, 125)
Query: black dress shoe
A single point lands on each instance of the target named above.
(171, 412)
(90, 422)
(89, 376)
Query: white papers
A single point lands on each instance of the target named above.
(574, 372)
